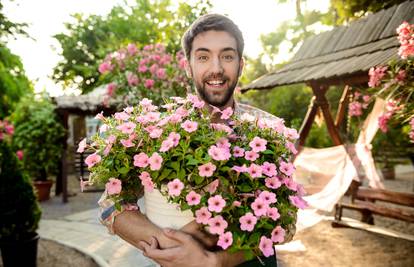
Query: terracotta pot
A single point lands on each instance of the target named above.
(43, 189)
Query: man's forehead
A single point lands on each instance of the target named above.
(214, 41)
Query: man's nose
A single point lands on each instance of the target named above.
(217, 67)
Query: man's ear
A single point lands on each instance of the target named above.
(241, 66)
(187, 68)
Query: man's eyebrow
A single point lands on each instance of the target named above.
(208, 50)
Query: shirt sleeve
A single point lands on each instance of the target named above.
(108, 210)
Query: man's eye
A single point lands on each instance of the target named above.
(202, 58)
(228, 57)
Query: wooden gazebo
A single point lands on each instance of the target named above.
(87, 104)
(341, 57)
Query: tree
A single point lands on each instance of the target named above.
(90, 39)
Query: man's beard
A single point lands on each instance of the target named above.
(201, 90)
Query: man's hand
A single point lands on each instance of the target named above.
(188, 252)
(206, 239)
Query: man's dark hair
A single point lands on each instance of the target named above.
(212, 22)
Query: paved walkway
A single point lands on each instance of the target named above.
(82, 231)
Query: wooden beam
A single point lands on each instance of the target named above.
(307, 122)
(322, 102)
(365, 193)
(343, 103)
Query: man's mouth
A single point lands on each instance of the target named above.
(216, 83)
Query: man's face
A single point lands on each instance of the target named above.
(215, 67)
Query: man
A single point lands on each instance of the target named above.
(213, 46)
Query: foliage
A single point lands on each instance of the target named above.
(19, 209)
(197, 163)
(89, 39)
(39, 134)
(9, 28)
(133, 74)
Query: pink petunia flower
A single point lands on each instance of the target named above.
(255, 170)
(251, 155)
(189, 126)
(202, 215)
(132, 79)
(298, 202)
(292, 185)
(268, 197)
(278, 234)
(212, 187)
(240, 169)
(113, 186)
(155, 161)
(216, 203)
(258, 144)
(266, 246)
(149, 83)
(291, 147)
(166, 145)
(217, 225)
(127, 143)
(273, 213)
(259, 207)
(92, 159)
(247, 222)
(193, 198)
(127, 127)
(175, 187)
(175, 137)
(291, 133)
(20, 154)
(286, 168)
(225, 240)
(123, 116)
(206, 170)
(272, 183)
(82, 146)
(223, 143)
(141, 160)
(269, 169)
(238, 152)
(226, 113)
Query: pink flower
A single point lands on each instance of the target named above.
(153, 69)
(255, 170)
(189, 126)
(142, 68)
(161, 73)
(266, 246)
(258, 144)
(278, 234)
(291, 133)
(127, 127)
(105, 67)
(155, 161)
(175, 137)
(154, 131)
(132, 79)
(226, 113)
(110, 89)
(221, 127)
(149, 83)
(113, 186)
(217, 225)
(132, 49)
(141, 160)
(247, 222)
(216, 203)
(166, 145)
(127, 143)
(291, 147)
(236, 203)
(147, 182)
(82, 146)
(375, 75)
(259, 207)
(212, 187)
(240, 169)
(355, 109)
(223, 143)
(193, 198)
(298, 202)
(273, 213)
(19, 154)
(215, 153)
(100, 116)
(123, 116)
(175, 187)
(268, 197)
(202, 215)
(92, 159)
(206, 170)
(269, 169)
(286, 168)
(292, 185)
(225, 240)
(251, 155)
(153, 116)
(238, 152)
(183, 112)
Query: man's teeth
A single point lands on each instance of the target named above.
(218, 82)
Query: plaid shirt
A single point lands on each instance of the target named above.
(108, 212)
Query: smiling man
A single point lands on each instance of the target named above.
(214, 47)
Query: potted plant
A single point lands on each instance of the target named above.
(19, 210)
(40, 135)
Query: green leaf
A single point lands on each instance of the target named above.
(244, 188)
(198, 179)
(191, 160)
(164, 174)
(181, 174)
(175, 165)
(123, 170)
(268, 152)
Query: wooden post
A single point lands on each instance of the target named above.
(322, 102)
(343, 103)
(62, 178)
(307, 122)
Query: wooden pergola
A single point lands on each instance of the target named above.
(88, 104)
(341, 57)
